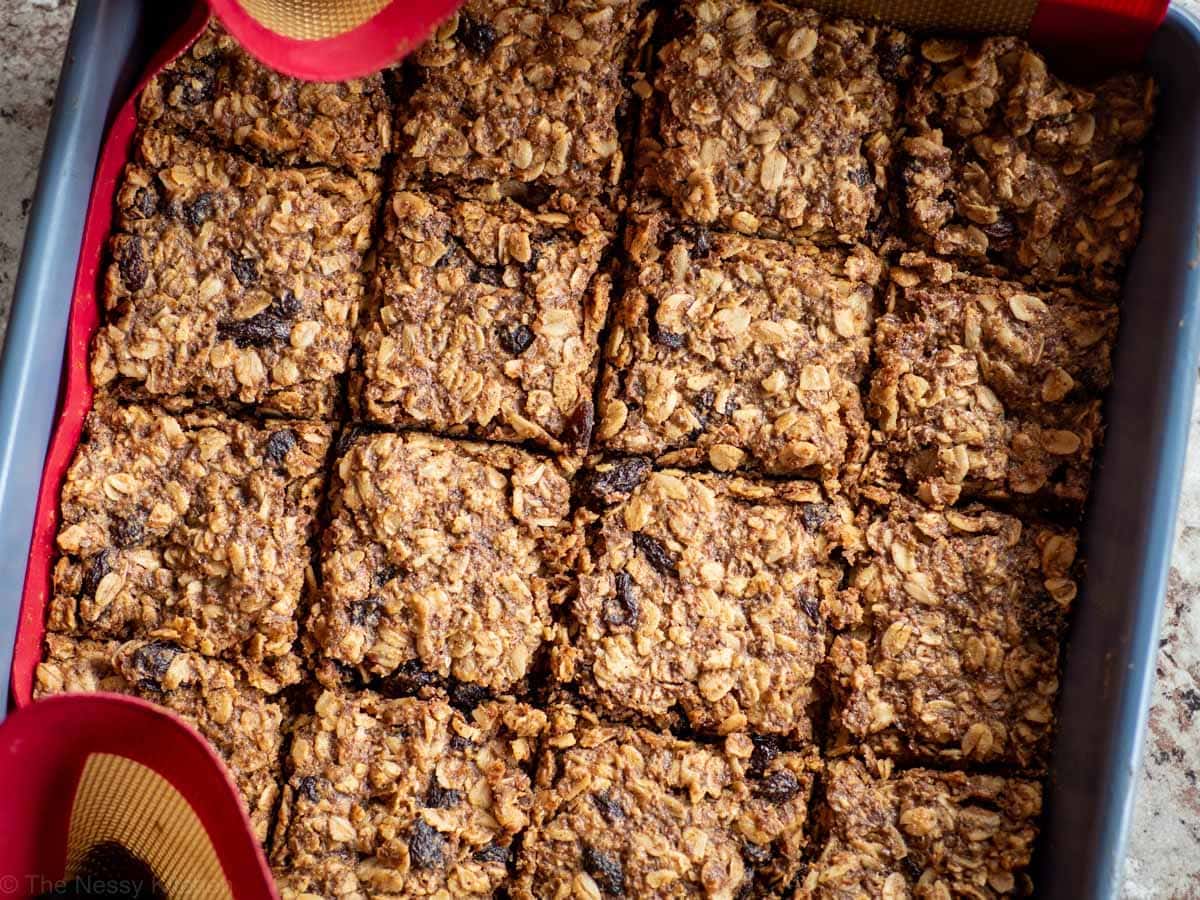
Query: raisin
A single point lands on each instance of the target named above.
(384, 574)
(811, 608)
(145, 202)
(1000, 231)
(409, 678)
(698, 236)
(308, 787)
(610, 808)
(199, 210)
(891, 57)
(98, 566)
(129, 531)
(815, 515)
(245, 269)
(426, 845)
(755, 855)
(701, 244)
(493, 853)
(605, 871)
(467, 696)
(860, 177)
(460, 743)
(132, 264)
(621, 476)
(196, 88)
(515, 339)
(152, 661)
(271, 326)
(489, 275)
(766, 748)
(365, 613)
(278, 445)
(656, 554)
(778, 787)
(622, 609)
(668, 339)
(438, 797)
(478, 37)
(577, 429)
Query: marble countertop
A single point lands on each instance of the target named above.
(1164, 845)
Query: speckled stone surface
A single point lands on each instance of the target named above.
(1164, 847)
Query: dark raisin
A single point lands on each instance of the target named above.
(530, 265)
(656, 554)
(278, 445)
(605, 871)
(860, 177)
(493, 853)
(197, 88)
(199, 210)
(730, 405)
(460, 743)
(365, 613)
(426, 845)
(132, 264)
(515, 339)
(704, 400)
(700, 242)
(308, 787)
(755, 855)
(668, 339)
(271, 326)
(622, 609)
(152, 661)
(610, 808)
(145, 202)
(408, 678)
(385, 573)
(604, 484)
(766, 748)
(98, 566)
(814, 515)
(1000, 231)
(891, 57)
(245, 269)
(478, 37)
(577, 429)
(778, 787)
(489, 275)
(467, 696)
(811, 608)
(438, 797)
(128, 532)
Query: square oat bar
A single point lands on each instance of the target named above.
(771, 120)
(737, 351)
(625, 812)
(230, 283)
(956, 659)
(191, 529)
(922, 833)
(219, 94)
(438, 562)
(703, 602)
(985, 388)
(1006, 163)
(242, 724)
(484, 320)
(404, 798)
(521, 98)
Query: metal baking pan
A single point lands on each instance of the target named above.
(1127, 540)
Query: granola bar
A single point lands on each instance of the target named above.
(484, 319)
(231, 283)
(771, 120)
(709, 596)
(739, 352)
(219, 94)
(404, 797)
(521, 98)
(985, 388)
(438, 559)
(1005, 162)
(242, 723)
(191, 529)
(620, 811)
(957, 656)
(921, 833)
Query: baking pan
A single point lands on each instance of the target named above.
(1127, 541)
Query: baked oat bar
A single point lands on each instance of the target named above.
(521, 98)
(921, 833)
(404, 798)
(483, 319)
(956, 659)
(242, 724)
(438, 559)
(621, 811)
(191, 529)
(736, 352)
(231, 283)
(703, 601)
(1006, 163)
(773, 121)
(219, 94)
(985, 388)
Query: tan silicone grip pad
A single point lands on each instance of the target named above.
(312, 20)
(1004, 16)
